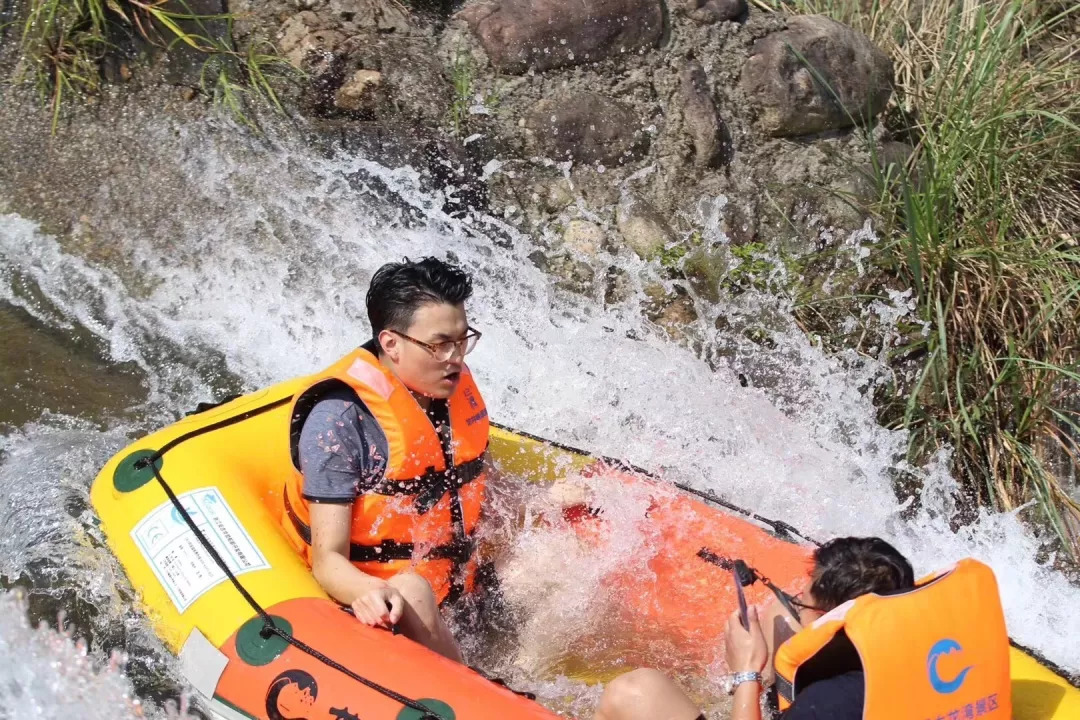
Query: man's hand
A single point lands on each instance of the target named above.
(746, 649)
(380, 607)
(374, 601)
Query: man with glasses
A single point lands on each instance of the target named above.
(388, 446)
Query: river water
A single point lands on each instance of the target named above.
(255, 271)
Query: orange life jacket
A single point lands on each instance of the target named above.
(938, 651)
(423, 514)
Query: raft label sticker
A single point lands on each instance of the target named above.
(178, 559)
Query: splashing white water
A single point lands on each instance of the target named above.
(272, 281)
(56, 676)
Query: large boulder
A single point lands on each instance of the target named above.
(816, 75)
(586, 128)
(519, 35)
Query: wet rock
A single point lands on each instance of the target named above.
(583, 237)
(453, 173)
(554, 195)
(359, 92)
(617, 286)
(519, 35)
(326, 73)
(114, 69)
(672, 310)
(304, 48)
(741, 223)
(642, 228)
(294, 30)
(570, 273)
(410, 87)
(586, 128)
(412, 71)
(382, 16)
(712, 11)
(816, 75)
(701, 120)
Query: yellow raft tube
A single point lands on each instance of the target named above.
(226, 467)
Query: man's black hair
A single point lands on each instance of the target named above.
(398, 289)
(845, 568)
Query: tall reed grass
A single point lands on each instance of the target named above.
(984, 224)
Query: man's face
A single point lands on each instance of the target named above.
(421, 370)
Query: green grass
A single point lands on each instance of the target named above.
(983, 224)
(466, 96)
(64, 43)
(462, 77)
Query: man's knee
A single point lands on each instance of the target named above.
(644, 693)
(627, 691)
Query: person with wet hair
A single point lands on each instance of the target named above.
(844, 569)
(388, 445)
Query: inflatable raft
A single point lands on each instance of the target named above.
(264, 640)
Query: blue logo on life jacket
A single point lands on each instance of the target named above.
(946, 646)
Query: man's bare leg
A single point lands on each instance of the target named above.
(421, 621)
(645, 694)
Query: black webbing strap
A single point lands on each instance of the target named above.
(439, 415)
(386, 550)
(430, 487)
(729, 564)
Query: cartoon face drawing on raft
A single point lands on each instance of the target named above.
(291, 696)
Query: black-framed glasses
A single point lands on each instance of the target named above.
(794, 600)
(443, 351)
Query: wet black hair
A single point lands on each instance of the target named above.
(398, 289)
(301, 678)
(847, 567)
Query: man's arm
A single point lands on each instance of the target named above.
(342, 454)
(372, 599)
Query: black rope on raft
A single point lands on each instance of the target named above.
(780, 528)
(269, 628)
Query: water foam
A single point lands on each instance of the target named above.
(57, 676)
